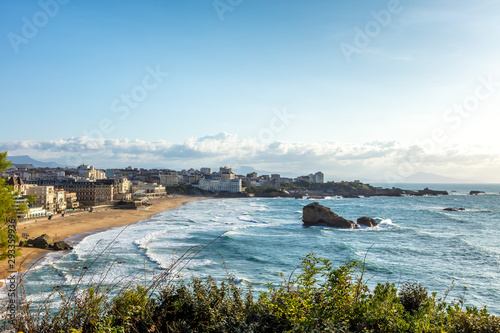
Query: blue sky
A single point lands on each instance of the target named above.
(356, 89)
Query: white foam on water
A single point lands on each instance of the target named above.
(166, 261)
(151, 237)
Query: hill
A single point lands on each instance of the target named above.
(25, 159)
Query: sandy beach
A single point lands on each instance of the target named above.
(83, 222)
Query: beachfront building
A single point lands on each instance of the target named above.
(90, 193)
(44, 197)
(35, 212)
(71, 200)
(60, 200)
(214, 185)
(123, 185)
(141, 189)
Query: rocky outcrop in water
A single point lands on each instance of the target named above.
(368, 221)
(315, 214)
(476, 192)
(453, 209)
(61, 246)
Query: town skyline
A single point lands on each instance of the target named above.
(26, 162)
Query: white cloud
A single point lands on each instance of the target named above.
(377, 160)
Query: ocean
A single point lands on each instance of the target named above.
(252, 239)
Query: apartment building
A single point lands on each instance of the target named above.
(44, 197)
(90, 193)
(169, 178)
(212, 185)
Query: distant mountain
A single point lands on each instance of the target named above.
(25, 159)
(423, 177)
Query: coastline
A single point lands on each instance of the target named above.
(74, 227)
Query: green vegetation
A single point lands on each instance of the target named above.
(335, 187)
(186, 189)
(8, 212)
(321, 298)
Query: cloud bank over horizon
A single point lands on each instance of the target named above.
(380, 161)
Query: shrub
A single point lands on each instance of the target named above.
(320, 298)
(413, 296)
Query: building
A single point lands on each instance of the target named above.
(227, 176)
(90, 173)
(225, 169)
(141, 189)
(169, 178)
(71, 200)
(275, 180)
(318, 177)
(189, 179)
(44, 197)
(252, 175)
(123, 185)
(60, 200)
(90, 193)
(232, 186)
(18, 185)
(110, 173)
(206, 171)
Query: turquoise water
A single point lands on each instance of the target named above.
(254, 238)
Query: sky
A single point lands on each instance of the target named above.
(371, 90)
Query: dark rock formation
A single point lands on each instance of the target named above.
(61, 246)
(475, 192)
(368, 221)
(41, 242)
(315, 214)
(453, 209)
(427, 191)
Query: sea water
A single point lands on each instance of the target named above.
(252, 239)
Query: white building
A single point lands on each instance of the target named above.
(90, 173)
(232, 186)
(123, 186)
(319, 177)
(141, 189)
(60, 200)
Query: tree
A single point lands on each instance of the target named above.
(7, 211)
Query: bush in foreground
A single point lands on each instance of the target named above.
(321, 298)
